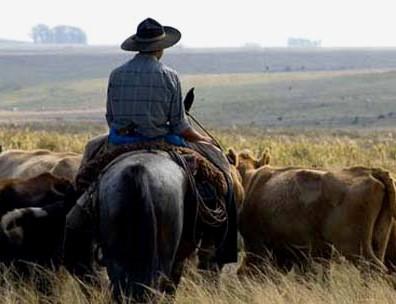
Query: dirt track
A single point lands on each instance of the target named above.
(32, 116)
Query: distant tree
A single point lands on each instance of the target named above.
(41, 33)
(69, 35)
(65, 34)
(303, 42)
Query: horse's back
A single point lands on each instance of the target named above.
(163, 174)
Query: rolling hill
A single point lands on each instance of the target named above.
(264, 88)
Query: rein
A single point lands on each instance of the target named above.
(215, 140)
(213, 217)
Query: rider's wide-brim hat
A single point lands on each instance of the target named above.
(151, 36)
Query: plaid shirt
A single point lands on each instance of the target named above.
(145, 95)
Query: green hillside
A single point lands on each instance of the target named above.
(316, 99)
(264, 88)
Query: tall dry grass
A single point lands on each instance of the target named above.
(288, 148)
(346, 284)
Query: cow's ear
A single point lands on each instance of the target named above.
(264, 160)
(233, 157)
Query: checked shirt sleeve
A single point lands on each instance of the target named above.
(109, 110)
(177, 119)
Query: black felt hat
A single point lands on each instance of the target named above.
(151, 36)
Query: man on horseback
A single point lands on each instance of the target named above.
(144, 105)
(144, 96)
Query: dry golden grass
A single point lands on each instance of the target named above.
(287, 148)
(346, 284)
(307, 149)
(319, 149)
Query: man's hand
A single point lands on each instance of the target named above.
(208, 139)
(192, 135)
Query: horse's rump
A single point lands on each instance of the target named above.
(141, 218)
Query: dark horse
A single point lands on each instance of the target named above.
(141, 222)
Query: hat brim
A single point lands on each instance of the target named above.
(172, 36)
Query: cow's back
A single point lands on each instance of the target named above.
(26, 164)
(286, 204)
(312, 208)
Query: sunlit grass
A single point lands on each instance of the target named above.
(346, 284)
(287, 148)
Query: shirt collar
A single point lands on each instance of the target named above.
(142, 56)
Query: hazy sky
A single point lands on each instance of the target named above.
(213, 23)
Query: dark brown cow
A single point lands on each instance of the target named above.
(290, 210)
(38, 238)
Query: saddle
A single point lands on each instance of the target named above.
(202, 169)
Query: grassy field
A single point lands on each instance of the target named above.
(288, 147)
(309, 88)
(310, 108)
(325, 99)
(345, 285)
(308, 149)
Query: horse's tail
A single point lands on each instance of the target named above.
(139, 255)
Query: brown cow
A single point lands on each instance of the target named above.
(29, 182)
(26, 164)
(290, 210)
(42, 239)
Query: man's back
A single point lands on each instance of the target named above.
(144, 95)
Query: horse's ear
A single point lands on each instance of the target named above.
(188, 100)
(264, 160)
(232, 157)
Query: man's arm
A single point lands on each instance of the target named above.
(109, 110)
(192, 135)
(178, 122)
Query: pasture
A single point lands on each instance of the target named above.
(312, 108)
(308, 149)
(305, 88)
(323, 99)
(314, 148)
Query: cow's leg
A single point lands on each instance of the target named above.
(390, 256)
(257, 257)
(250, 265)
(382, 232)
(373, 202)
(350, 226)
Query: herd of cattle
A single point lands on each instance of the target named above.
(285, 211)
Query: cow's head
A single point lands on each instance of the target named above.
(246, 161)
(242, 163)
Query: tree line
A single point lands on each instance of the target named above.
(62, 34)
